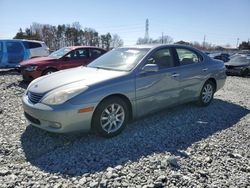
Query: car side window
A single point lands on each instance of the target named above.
(187, 56)
(163, 58)
(78, 54)
(14, 47)
(31, 45)
(95, 53)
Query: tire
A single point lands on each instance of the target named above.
(207, 93)
(110, 117)
(48, 71)
(244, 72)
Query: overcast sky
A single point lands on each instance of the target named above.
(222, 21)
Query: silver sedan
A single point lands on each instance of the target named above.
(124, 84)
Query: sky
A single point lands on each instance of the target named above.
(222, 22)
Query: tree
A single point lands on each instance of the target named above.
(165, 39)
(67, 35)
(116, 41)
(244, 45)
(20, 34)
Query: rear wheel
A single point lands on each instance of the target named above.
(110, 117)
(207, 93)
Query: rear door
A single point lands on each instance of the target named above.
(192, 72)
(156, 90)
(15, 52)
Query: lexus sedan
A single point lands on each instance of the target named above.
(64, 58)
(123, 84)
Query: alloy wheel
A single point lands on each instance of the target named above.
(207, 93)
(112, 118)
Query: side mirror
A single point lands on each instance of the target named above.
(150, 68)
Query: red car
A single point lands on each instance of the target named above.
(64, 58)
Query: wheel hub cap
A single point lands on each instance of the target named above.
(112, 118)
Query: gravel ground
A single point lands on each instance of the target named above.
(185, 146)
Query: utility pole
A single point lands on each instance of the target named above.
(162, 37)
(146, 31)
(237, 42)
(204, 41)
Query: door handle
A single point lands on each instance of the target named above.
(175, 75)
(205, 69)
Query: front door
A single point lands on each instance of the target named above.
(156, 90)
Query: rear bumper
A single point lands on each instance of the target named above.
(59, 119)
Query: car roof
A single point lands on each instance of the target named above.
(154, 46)
(76, 47)
(22, 40)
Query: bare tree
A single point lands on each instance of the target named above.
(116, 41)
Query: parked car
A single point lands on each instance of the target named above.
(238, 65)
(12, 52)
(225, 57)
(123, 84)
(64, 58)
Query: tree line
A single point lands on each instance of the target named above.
(59, 36)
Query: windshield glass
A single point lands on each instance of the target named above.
(239, 59)
(59, 53)
(121, 59)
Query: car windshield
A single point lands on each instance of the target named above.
(240, 59)
(59, 53)
(120, 59)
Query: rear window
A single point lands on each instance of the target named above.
(30, 45)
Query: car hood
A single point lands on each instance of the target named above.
(86, 76)
(37, 60)
(237, 64)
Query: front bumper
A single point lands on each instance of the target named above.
(65, 117)
(233, 71)
(30, 75)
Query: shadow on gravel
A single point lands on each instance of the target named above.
(168, 131)
(8, 72)
(22, 84)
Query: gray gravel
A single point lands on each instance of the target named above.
(185, 146)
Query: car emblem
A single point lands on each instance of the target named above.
(35, 86)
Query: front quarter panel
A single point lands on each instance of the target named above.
(124, 85)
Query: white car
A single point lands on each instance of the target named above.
(13, 51)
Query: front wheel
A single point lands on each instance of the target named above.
(207, 93)
(48, 71)
(110, 117)
(245, 72)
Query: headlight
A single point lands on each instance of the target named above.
(31, 68)
(61, 95)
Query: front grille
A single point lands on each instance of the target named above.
(34, 97)
(229, 67)
(32, 119)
